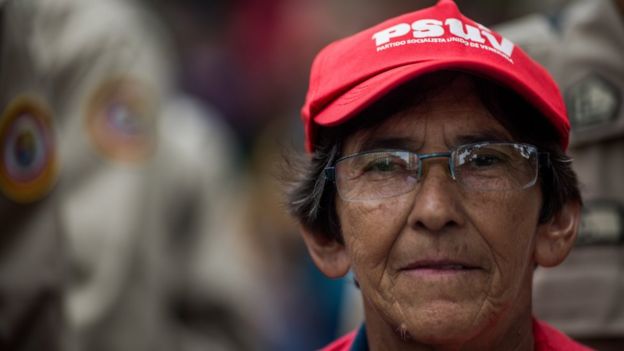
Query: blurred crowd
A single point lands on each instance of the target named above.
(141, 149)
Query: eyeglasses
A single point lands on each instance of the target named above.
(485, 166)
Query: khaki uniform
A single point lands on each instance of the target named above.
(142, 174)
(584, 49)
(31, 245)
(107, 89)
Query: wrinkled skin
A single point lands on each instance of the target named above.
(485, 307)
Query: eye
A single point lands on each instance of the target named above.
(387, 164)
(482, 158)
(485, 160)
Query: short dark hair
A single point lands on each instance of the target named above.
(311, 198)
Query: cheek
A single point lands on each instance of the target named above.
(507, 225)
(369, 230)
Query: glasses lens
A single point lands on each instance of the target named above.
(496, 166)
(376, 175)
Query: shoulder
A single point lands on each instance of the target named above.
(342, 344)
(548, 338)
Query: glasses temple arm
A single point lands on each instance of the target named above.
(330, 173)
(544, 159)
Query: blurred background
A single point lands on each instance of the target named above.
(142, 142)
(251, 58)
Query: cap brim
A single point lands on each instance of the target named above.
(367, 92)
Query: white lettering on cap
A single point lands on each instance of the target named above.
(456, 27)
(385, 35)
(427, 28)
(505, 45)
(430, 28)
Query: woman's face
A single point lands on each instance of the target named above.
(442, 264)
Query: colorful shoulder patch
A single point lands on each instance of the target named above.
(120, 121)
(28, 154)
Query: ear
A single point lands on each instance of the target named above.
(556, 237)
(328, 254)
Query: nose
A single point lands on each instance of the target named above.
(437, 200)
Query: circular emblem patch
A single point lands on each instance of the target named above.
(120, 121)
(28, 166)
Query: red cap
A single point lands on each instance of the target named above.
(350, 74)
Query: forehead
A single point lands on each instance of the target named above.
(452, 114)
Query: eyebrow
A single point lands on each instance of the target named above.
(492, 135)
(401, 143)
(406, 143)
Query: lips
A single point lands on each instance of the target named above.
(440, 265)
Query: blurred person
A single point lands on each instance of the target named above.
(300, 307)
(144, 173)
(583, 45)
(215, 293)
(106, 94)
(443, 251)
(32, 255)
(246, 76)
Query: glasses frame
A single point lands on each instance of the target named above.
(543, 160)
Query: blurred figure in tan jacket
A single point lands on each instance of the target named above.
(139, 201)
(583, 46)
(31, 251)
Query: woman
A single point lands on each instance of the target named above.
(438, 176)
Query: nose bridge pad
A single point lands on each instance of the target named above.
(451, 167)
(424, 157)
(420, 170)
(434, 207)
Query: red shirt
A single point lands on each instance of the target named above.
(546, 338)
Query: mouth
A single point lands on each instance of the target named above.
(440, 266)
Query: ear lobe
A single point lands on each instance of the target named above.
(556, 237)
(328, 254)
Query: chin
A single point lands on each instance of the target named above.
(441, 323)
